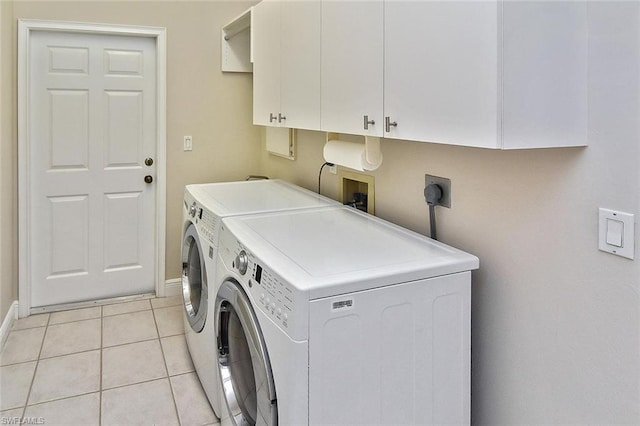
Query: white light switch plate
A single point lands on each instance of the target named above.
(188, 143)
(616, 233)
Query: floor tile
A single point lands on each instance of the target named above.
(125, 308)
(75, 315)
(79, 410)
(193, 406)
(15, 381)
(128, 328)
(31, 321)
(132, 363)
(66, 376)
(72, 337)
(163, 302)
(176, 355)
(169, 321)
(141, 404)
(22, 346)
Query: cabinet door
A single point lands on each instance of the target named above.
(441, 71)
(545, 74)
(352, 43)
(300, 64)
(266, 62)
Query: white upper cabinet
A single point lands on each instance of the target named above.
(544, 74)
(488, 74)
(493, 74)
(441, 71)
(352, 66)
(300, 64)
(266, 62)
(286, 70)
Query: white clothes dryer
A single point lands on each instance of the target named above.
(334, 316)
(204, 206)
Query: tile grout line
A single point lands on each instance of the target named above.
(19, 362)
(35, 370)
(61, 399)
(76, 320)
(58, 356)
(157, 379)
(129, 312)
(173, 397)
(26, 329)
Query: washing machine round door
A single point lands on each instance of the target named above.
(194, 280)
(243, 361)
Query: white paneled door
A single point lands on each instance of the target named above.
(92, 149)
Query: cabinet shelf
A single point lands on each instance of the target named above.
(236, 44)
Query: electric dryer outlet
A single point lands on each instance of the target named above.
(445, 186)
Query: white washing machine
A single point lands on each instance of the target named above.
(336, 317)
(204, 206)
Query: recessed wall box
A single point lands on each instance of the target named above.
(357, 190)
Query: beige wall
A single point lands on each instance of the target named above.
(556, 323)
(213, 107)
(8, 287)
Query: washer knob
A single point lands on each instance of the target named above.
(242, 262)
(192, 210)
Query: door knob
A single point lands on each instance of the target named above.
(148, 179)
(148, 161)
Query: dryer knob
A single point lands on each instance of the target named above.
(242, 262)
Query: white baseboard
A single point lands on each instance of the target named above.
(7, 323)
(173, 287)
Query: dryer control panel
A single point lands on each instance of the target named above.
(207, 225)
(205, 221)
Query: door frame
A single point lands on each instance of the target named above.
(25, 29)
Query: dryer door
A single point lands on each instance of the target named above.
(245, 370)
(194, 280)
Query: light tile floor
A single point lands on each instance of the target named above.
(121, 364)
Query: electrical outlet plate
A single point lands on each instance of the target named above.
(445, 185)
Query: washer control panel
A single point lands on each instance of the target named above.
(274, 296)
(269, 292)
